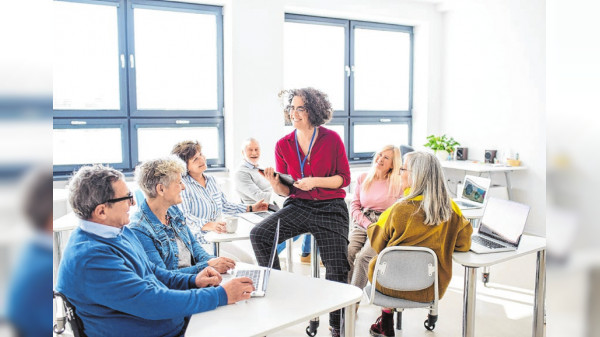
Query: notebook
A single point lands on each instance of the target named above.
(255, 217)
(260, 275)
(501, 227)
(474, 192)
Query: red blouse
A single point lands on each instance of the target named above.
(327, 159)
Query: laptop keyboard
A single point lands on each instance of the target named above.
(485, 242)
(253, 274)
(263, 215)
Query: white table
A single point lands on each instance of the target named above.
(242, 233)
(60, 229)
(480, 168)
(291, 299)
(471, 261)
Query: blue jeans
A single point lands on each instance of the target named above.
(305, 245)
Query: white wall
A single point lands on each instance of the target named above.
(493, 89)
(254, 62)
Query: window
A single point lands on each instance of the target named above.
(364, 67)
(132, 78)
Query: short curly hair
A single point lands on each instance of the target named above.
(158, 171)
(186, 150)
(316, 103)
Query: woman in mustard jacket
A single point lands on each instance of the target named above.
(425, 217)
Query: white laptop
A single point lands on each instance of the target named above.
(501, 227)
(260, 275)
(255, 217)
(474, 192)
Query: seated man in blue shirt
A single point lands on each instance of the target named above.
(107, 276)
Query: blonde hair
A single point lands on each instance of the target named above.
(158, 171)
(427, 179)
(392, 176)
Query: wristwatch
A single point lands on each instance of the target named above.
(250, 207)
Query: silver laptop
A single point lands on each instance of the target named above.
(474, 192)
(501, 227)
(260, 276)
(255, 217)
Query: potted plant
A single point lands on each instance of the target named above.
(442, 146)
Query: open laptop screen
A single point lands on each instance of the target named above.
(474, 192)
(504, 220)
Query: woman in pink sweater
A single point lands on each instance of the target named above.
(375, 191)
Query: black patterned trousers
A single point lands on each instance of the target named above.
(327, 220)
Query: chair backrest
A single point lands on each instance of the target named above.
(404, 149)
(406, 268)
(71, 315)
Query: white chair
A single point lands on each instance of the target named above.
(405, 269)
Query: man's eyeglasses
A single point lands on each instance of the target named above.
(290, 108)
(129, 197)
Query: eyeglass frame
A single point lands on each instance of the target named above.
(290, 108)
(128, 196)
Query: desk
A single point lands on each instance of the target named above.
(291, 299)
(470, 166)
(471, 261)
(60, 227)
(242, 233)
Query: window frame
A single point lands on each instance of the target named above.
(349, 115)
(128, 117)
(176, 123)
(95, 123)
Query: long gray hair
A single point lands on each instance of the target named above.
(427, 179)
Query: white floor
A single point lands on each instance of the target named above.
(500, 310)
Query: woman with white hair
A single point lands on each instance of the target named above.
(425, 217)
(375, 191)
(160, 225)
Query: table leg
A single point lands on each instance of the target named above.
(217, 248)
(539, 307)
(469, 302)
(508, 185)
(289, 242)
(350, 318)
(314, 257)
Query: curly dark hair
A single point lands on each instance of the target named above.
(186, 149)
(316, 103)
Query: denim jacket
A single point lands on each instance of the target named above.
(159, 240)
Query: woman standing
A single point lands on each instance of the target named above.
(425, 217)
(375, 191)
(316, 158)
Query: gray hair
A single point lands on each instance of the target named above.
(427, 179)
(158, 171)
(247, 142)
(91, 186)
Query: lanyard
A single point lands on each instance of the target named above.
(307, 153)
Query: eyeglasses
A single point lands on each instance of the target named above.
(129, 197)
(290, 108)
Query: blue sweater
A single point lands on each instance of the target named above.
(117, 291)
(29, 305)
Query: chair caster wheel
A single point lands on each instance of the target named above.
(311, 329)
(430, 322)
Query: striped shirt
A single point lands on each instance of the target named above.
(204, 204)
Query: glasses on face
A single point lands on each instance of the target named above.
(299, 109)
(129, 197)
